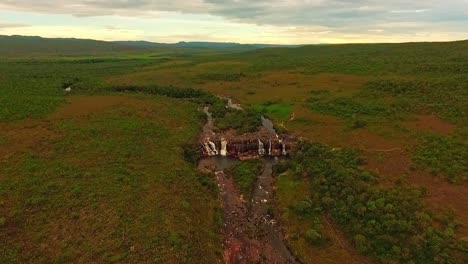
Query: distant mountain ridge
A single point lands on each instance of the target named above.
(17, 44)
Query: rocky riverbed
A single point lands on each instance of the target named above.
(251, 232)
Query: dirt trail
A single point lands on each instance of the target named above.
(251, 235)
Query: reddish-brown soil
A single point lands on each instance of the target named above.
(251, 235)
(390, 158)
(283, 86)
(287, 86)
(430, 123)
(23, 135)
(79, 106)
(316, 127)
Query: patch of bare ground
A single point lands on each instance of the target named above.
(315, 126)
(430, 123)
(23, 135)
(390, 158)
(288, 86)
(443, 196)
(80, 106)
(386, 157)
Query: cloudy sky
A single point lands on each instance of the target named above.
(244, 21)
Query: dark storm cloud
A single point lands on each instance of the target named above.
(350, 15)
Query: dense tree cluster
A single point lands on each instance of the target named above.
(390, 224)
(244, 121)
(444, 155)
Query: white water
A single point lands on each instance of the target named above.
(284, 148)
(224, 147)
(208, 149)
(213, 147)
(269, 149)
(261, 148)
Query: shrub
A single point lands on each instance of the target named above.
(313, 236)
(191, 153)
(379, 220)
(358, 123)
(347, 108)
(244, 121)
(443, 155)
(245, 174)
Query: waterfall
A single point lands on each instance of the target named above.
(209, 151)
(283, 146)
(224, 147)
(213, 147)
(269, 149)
(261, 148)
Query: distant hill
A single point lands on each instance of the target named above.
(32, 45)
(17, 45)
(228, 45)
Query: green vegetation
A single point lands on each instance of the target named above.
(444, 155)
(356, 114)
(227, 77)
(346, 108)
(444, 95)
(120, 184)
(378, 220)
(275, 110)
(34, 88)
(244, 121)
(113, 187)
(245, 175)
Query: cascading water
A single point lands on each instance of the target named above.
(283, 148)
(213, 147)
(224, 143)
(251, 145)
(241, 219)
(269, 149)
(208, 149)
(261, 148)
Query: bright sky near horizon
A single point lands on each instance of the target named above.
(244, 21)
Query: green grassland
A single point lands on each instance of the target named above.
(113, 185)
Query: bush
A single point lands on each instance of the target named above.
(358, 123)
(244, 121)
(191, 153)
(281, 167)
(222, 76)
(303, 208)
(313, 236)
(207, 181)
(245, 174)
(378, 219)
(170, 91)
(347, 108)
(443, 155)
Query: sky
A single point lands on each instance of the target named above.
(242, 21)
